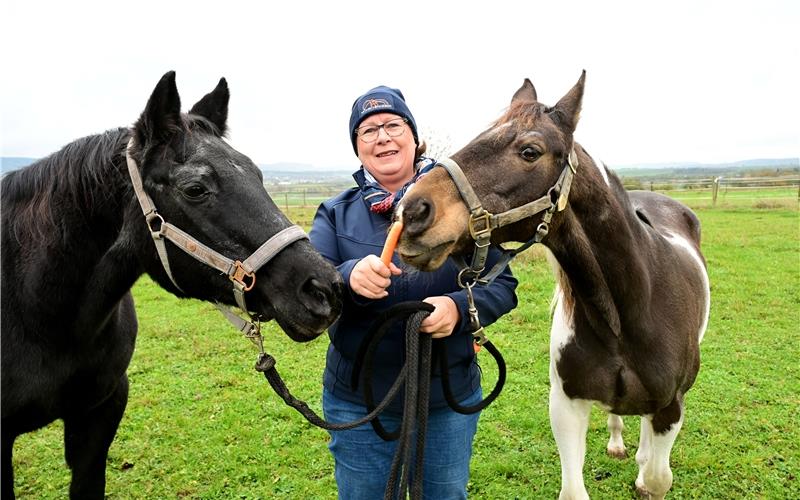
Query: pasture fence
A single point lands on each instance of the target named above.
(753, 191)
(300, 203)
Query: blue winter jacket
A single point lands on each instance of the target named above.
(344, 231)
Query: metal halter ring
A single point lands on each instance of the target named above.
(467, 273)
(542, 229)
(150, 218)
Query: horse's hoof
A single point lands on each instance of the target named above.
(618, 453)
(642, 492)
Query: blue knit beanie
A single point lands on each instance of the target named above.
(381, 99)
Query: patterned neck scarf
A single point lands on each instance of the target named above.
(382, 201)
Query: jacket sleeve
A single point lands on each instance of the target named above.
(492, 301)
(323, 238)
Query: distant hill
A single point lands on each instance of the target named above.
(756, 163)
(273, 172)
(9, 163)
(294, 173)
(770, 166)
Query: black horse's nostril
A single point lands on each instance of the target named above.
(320, 299)
(417, 216)
(317, 296)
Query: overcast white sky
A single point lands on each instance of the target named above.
(705, 81)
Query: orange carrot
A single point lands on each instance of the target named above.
(391, 241)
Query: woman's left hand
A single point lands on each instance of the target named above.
(443, 320)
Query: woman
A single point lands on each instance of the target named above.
(349, 230)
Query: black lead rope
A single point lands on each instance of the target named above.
(415, 414)
(416, 311)
(441, 351)
(416, 373)
(266, 365)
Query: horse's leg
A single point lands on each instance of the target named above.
(616, 446)
(658, 436)
(7, 470)
(569, 420)
(87, 438)
(644, 452)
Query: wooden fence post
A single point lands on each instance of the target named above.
(715, 191)
(286, 199)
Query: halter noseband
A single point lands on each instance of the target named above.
(482, 223)
(241, 274)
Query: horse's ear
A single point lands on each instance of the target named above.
(214, 106)
(568, 109)
(161, 117)
(526, 93)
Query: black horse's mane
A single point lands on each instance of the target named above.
(41, 201)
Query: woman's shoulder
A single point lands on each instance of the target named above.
(349, 195)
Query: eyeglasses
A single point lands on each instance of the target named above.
(393, 128)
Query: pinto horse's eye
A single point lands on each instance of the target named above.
(530, 154)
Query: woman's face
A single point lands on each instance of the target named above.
(389, 159)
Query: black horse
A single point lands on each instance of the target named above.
(74, 241)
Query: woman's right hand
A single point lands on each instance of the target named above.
(371, 277)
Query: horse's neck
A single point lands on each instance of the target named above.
(116, 267)
(596, 246)
(90, 265)
(111, 277)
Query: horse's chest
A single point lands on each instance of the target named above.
(585, 366)
(584, 371)
(625, 376)
(53, 374)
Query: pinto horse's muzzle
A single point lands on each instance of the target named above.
(482, 223)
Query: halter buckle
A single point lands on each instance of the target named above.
(239, 274)
(485, 220)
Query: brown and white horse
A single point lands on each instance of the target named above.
(632, 294)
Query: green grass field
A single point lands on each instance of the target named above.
(201, 423)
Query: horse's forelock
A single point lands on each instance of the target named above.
(178, 141)
(521, 115)
(199, 123)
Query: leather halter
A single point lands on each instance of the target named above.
(241, 274)
(482, 223)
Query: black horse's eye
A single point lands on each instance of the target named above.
(194, 192)
(530, 154)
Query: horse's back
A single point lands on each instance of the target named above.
(679, 229)
(667, 216)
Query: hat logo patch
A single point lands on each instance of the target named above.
(373, 103)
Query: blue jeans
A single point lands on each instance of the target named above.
(363, 460)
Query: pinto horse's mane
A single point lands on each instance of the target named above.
(44, 198)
